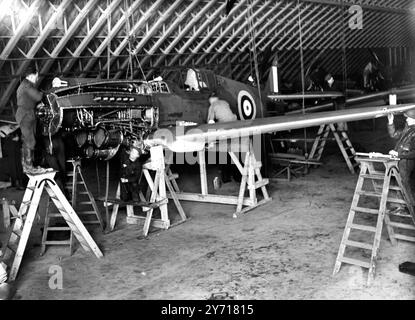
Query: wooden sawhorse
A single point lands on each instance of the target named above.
(157, 199)
(251, 181)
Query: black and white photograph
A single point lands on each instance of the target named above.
(205, 155)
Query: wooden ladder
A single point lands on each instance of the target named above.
(385, 185)
(81, 200)
(20, 230)
(342, 140)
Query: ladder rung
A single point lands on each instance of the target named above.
(403, 237)
(369, 193)
(91, 222)
(355, 262)
(55, 215)
(362, 227)
(396, 188)
(395, 200)
(58, 228)
(86, 213)
(51, 242)
(259, 184)
(398, 214)
(84, 202)
(365, 210)
(373, 176)
(358, 244)
(402, 225)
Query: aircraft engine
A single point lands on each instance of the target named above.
(101, 115)
(104, 138)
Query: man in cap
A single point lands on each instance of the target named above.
(27, 99)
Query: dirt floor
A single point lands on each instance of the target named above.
(283, 250)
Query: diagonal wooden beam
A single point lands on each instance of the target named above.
(214, 30)
(137, 26)
(167, 32)
(242, 27)
(91, 34)
(157, 25)
(258, 24)
(187, 28)
(237, 20)
(294, 31)
(104, 44)
(64, 40)
(33, 50)
(11, 44)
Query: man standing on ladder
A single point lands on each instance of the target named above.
(405, 150)
(27, 98)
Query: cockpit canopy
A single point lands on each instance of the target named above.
(192, 79)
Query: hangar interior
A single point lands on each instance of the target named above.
(274, 229)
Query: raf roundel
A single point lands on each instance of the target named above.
(246, 106)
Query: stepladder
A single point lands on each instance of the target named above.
(21, 227)
(343, 141)
(81, 197)
(379, 198)
(81, 200)
(159, 179)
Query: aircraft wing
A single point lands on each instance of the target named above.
(405, 91)
(194, 138)
(306, 95)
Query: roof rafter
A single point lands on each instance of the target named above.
(33, 50)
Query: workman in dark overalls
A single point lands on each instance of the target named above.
(27, 99)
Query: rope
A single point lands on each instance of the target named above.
(255, 55)
(98, 180)
(128, 27)
(107, 214)
(344, 60)
(109, 42)
(141, 69)
(302, 72)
